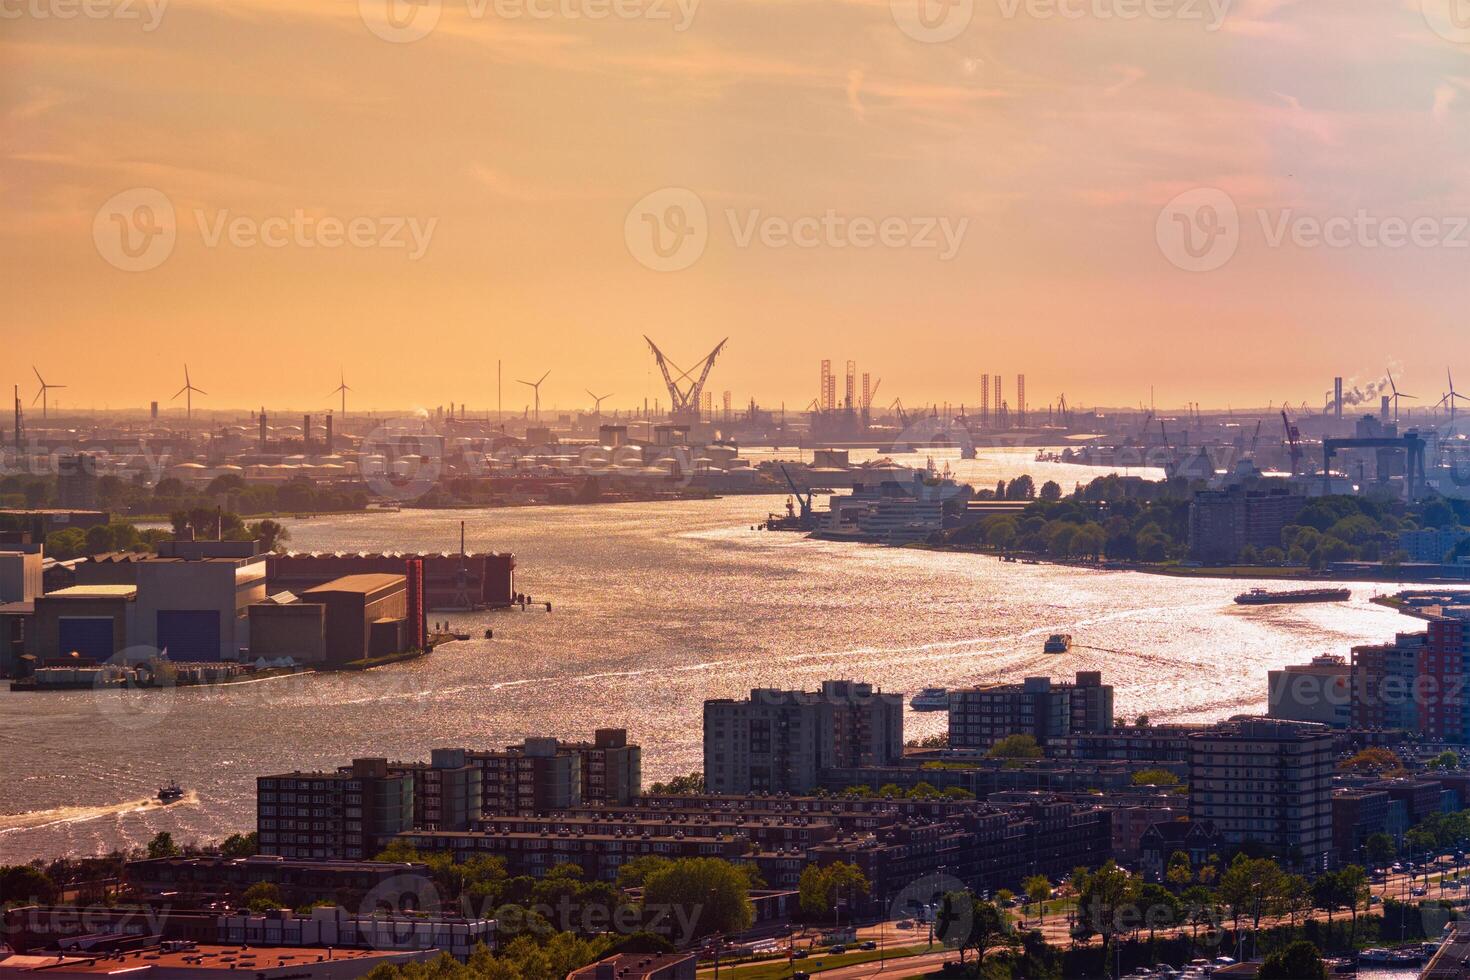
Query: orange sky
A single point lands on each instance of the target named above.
(299, 151)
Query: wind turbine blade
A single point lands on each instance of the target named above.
(543, 377)
(38, 396)
(38, 376)
(200, 391)
(179, 392)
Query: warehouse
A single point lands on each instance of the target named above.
(365, 616)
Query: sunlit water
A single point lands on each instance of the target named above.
(656, 607)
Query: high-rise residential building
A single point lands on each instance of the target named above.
(1383, 684)
(1223, 522)
(349, 814)
(543, 774)
(447, 790)
(1444, 671)
(981, 716)
(1267, 782)
(1319, 691)
(780, 741)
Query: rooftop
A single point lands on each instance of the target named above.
(186, 956)
(366, 582)
(94, 592)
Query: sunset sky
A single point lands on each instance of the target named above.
(517, 140)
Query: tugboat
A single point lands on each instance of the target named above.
(1058, 643)
(171, 792)
(930, 699)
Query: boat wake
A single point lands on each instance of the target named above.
(36, 819)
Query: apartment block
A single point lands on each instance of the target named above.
(1319, 691)
(1223, 522)
(350, 814)
(780, 741)
(1269, 782)
(1046, 710)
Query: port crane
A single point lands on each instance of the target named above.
(1293, 443)
(685, 400)
(804, 502)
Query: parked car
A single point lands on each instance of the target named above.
(869, 945)
(839, 948)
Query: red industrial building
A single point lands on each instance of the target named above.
(451, 581)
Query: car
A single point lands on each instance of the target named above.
(905, 923)
(837, 949)
(869, 945)
(798, 975)
(798, 954)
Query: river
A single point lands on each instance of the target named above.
(657, 606)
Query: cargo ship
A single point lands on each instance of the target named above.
(1262, 597)
(931, 699)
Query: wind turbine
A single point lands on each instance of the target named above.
(1449, 399)
(597, 401)
(535, 386)
(1396, 395)
(188, 391)
(41, 393)
(341, 389)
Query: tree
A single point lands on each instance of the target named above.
(271, 534)
(1250, 886)
(1155, 777)
(1051, 490)
(162, 846)
(1021, 488)
(1353, 882)
(21, 884)
(1448, 759)
(1103, 897)
(1375, 760)
(1038, 890)
(240, 845)
(1015, 747)
(263, 896)
(821, 888)
(1299, 961)
(964, 922)
(1378, 849)
(1180, 871)
(690, 785)
(713, 894)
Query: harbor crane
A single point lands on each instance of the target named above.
(1293, 443)
(805, 502)
(684, 399)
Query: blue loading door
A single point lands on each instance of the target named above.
(189, 635)
(90, 637)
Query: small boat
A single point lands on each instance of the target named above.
(170, 792)
(1263, 597)
(930, 699)
(1374, 955)
(1058, 643)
